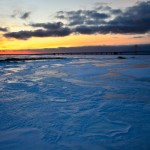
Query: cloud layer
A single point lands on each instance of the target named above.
(50, 30)
(102, 19)
(3, 29)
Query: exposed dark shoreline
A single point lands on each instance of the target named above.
(28, 59)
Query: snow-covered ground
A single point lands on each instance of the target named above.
(79, 103)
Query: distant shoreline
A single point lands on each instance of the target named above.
(85, 50)
(88, 53)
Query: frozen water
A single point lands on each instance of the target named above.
(79, 103)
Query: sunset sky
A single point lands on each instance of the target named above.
(35, 24)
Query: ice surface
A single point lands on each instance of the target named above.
(78, 103)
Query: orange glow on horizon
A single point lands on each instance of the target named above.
(69, 41)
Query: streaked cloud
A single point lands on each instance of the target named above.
(21, 14)
(25, 15)
(138, 37)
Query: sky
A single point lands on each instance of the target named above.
(36, 24)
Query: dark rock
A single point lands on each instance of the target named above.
(121, 57)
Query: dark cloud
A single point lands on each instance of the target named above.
(60, 15)
(138, 37)
(138, 15)
(110, 29)
(48, 26)
(25, 15)
(107, 8)
(82, 17)
(86, 29)
(23, 35)
(134, 20)
(102, 20)
(115, 11)
(95, 15)
(4, 29)
(93, 22)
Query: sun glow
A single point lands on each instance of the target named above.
(68, 41)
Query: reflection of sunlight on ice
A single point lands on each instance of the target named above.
(7, 74)
(83, 61)
(140, 66)
(58, 65)
(116, 96)
(40, 75)
(136, 72)
(17, 69)
(82, 82)
(50, 73)
(113, 74)
(11, 95)
(57, 99)
(12, 81)
(103, 64)
(44, 66)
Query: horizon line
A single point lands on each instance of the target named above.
(67, 47)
